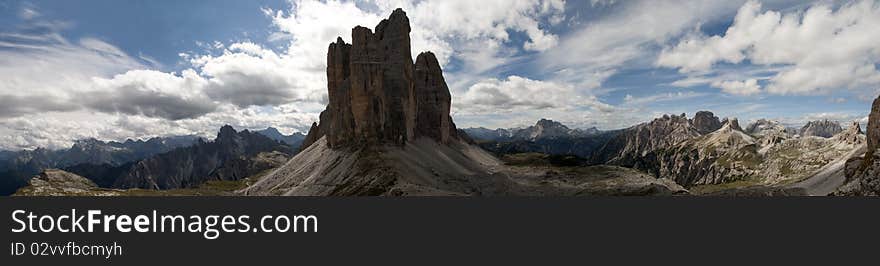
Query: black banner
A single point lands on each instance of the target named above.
(452, 231)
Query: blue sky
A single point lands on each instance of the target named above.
(136, 69)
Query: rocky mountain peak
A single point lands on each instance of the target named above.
(852, 135)
(226, 132)
(546, 129)
(377, 95)
(763, 127)
(821, 128)
(873, 130)
(706, 122)
(731, 124)
(546, 123)
(272, 130)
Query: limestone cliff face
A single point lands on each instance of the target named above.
(630, 147)
(873, 130)
(377, 95)
(821, 128)
(706, 122)
(433, 100)
(863, 173)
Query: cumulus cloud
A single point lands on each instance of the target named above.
(241, 83)
(825, 48)
(518, 93)
(473, 32)
(746, 87)
(40, 71)
(150, 93)
(247, 74)
(593, 53)
(61, 129)
(13, 105)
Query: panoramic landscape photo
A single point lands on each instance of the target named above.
(440, 98)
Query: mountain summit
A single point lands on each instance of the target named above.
(386, 129)
(378, 96)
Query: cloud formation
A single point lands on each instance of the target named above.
(507, 66)
(746, 87)
(151, 94)
(824, 48)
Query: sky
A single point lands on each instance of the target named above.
(115, 70)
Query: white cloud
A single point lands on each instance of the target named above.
(746, 87)
(28, 13)
(150, 93)
(660, 97)
(519, 101)
(474, 32)
(826, 49)
(42, 69)
(518, 94)
(591, 54)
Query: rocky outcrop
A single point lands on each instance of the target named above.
(672, 147)
(432, 101)
(863, 173)
(54, 182)
(763, 127)
(706, 122)
(630, 146)
(852, 135)
(821, 128)
(733, 123)
(721, 156)
(378, 96)
(873, 130)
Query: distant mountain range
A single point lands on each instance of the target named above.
(231, 156)
(17, 167)
(294, 140)
(104, 161)
(546, 136)
(543, 129)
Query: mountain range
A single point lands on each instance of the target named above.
(387, 130)
(231, 156)
(105, 161)
(543, 129)
(293, 140)
(17, 167)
